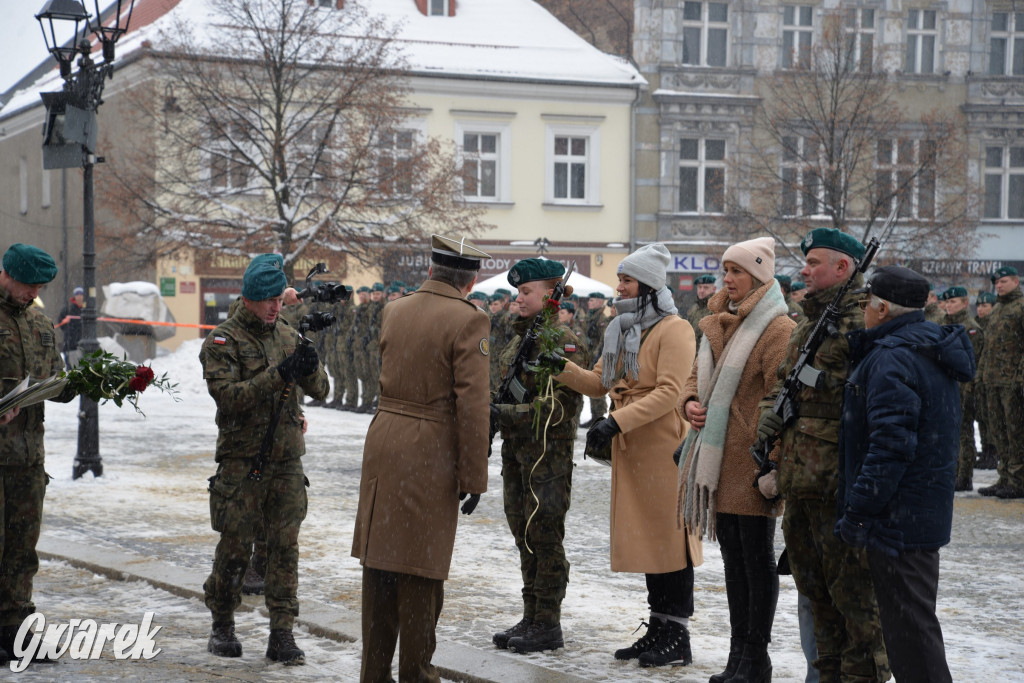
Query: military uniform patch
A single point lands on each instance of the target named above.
(485, 346)
(220, 340)
(570, 348)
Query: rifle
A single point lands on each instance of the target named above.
(511, 390)
(313, 322)
(803, 373)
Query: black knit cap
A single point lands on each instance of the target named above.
(900, 286)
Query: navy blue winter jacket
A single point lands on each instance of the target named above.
(898, 445)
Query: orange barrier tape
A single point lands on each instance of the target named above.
(138, 322)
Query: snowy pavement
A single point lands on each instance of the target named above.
(152, 501)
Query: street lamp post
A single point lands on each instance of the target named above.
(69, 141)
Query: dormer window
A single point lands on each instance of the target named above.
(438, 8)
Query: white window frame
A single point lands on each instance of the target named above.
(418, 128)
(798, 35)
(860, 39)
(918, 35)
(1013, 41)
(904, 159)
(703, 166)
(592, 168)
(800, 166)
(1005, 179)
(445, 8)
(705, 26)
(503, 156)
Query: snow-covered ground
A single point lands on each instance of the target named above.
(152, 500)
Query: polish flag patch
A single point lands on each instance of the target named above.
(570, 348)
(220, 340)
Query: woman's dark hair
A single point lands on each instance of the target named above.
(647, 295)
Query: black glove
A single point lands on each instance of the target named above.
(600, 435)
(552, 361)
(469, 505)
(678, 453)
(862, 532)
(302, 362)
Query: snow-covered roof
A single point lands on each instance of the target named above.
(493, 39)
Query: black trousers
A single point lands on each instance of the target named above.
(751, 576)
(672, 593)
(906, 587)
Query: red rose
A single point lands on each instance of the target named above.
(138, 384)
(145, 373)
(552, 304)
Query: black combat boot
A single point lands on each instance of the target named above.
(645, 642)
(539, 636)
(755, 665)
(502, 637)
(222, 641)
(1010, 492)
(735, 652)
(993, 490)
(671, 649)
(282, 648)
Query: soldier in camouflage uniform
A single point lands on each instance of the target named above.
(705, 285)
(1002, 365)
(596, 323)
(957, 313)
(495, 311)
(834, 576)
(340, 363)
(353, 347)
(786, 283)
(27, 348)
(538, 466)
(248, 361)
(366, 352)
(988, 458)
(502, 333)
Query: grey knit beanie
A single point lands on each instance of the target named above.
(647, 265)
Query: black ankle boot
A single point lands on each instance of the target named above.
(735, 652)
(282, 648)
(755, 665)
(645, 642)
(223, 642)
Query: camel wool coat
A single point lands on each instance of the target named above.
(736, 494)
(645, 536)
(428, 440)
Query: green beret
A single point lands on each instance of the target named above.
(596, 295)
(987, 298)
(263, 280)
(568, 306)
(830, 238)
(393, 288)
(503, 292)
(797, 286)
(377, 287)
(532, 269)
(705, 279)
(497, 297)
(275, 260)
(362, 289)
(954, 292)
(784, 280)
(478, 296)
(574, 297)
(29, 265)
(1001, 272)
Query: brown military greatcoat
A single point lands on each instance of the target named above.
(428, 440)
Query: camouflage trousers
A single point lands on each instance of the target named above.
(368, 371)
(837, 580)
(22, 489)
(236, 506)
(1006, 422)
(968, 447)
(539, 538)
(346, 388)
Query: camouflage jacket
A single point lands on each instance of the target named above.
(809, 456)
(698, 312)
(27, 347)
(1003, 355)
(974, 333)
(597, 323)
(518, 422)
(240, 360)
(796, 312)
(933, 313)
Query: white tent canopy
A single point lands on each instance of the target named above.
(581, 285)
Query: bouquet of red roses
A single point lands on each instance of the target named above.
(102, 377)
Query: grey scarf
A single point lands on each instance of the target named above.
(622, 337)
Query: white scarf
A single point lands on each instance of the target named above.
(703, 449)
(626, 329)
